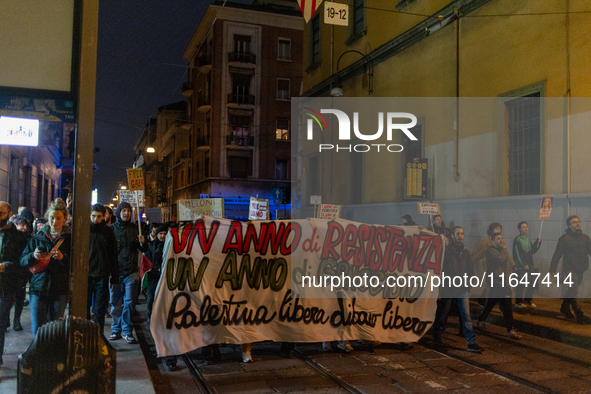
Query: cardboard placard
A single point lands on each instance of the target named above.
(135, 179)
(196, 208)
(329, 211)
(258, 209)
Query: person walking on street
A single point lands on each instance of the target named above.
(523, 252)
(47, 256)
(499, 263)
(573, 247)
(154, 254)
(457, 263)
(102, 265)
(129, 242)
(12, 244)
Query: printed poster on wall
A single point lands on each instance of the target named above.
(226, 281)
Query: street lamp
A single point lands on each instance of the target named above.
(123, 187)
(337, 91)
(150, 150)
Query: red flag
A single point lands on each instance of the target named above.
(145, 267)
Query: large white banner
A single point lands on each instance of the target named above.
(225, 281)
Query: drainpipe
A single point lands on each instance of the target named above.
(568, 113)
(457, 101)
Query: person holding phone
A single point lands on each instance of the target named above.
(47, 257)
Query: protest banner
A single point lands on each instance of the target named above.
(231, 282)
(428, 208)
(135, 198)
(189, 210)
(258, 209)
(329, 211)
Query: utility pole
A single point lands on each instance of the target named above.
(83, 160)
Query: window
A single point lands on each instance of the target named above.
(281, 169)
(239, 131)
(315, 40)
(238, 166)
(524, 144)
(282, 130)
(241, 43)
(283, 89)
(284, 49)
(358, 16)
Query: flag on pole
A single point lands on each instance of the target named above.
(145, 267)
(308, 8)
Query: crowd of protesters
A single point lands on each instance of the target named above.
(36, 250)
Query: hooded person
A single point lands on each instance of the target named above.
(154, 253)
(129, 244)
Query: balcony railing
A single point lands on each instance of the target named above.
(234, 98)
(242, 57)
(239, 140)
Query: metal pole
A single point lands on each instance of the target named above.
(83, 159)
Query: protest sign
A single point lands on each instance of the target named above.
(135, 178)
(230, 282)
(195, 208)
(132, 197)
(329, 211)
(545, 207)
(258, 209)
(428, 208)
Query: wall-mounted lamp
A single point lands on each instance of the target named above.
(337, 90)
(150, 150)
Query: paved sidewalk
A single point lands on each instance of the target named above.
(132, 372)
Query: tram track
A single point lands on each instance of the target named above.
(522, 382)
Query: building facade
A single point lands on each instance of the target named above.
(518, 130)
(245, 64)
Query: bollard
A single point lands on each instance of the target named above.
(66, 356)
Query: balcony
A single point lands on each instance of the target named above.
(240, 98)
(187, 89)
(237, 140)
(242, 57)
(204, 63)
(203, 104)
(203, 143)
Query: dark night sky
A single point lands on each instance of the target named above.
(140, 68)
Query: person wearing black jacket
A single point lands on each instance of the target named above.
(574, 247)
(50, 265)
(129, 242)
(12, 243)
(458, 263)
(102, 265)
(154, 253)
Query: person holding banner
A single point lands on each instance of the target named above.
(574, 247)
(102, 265)
(523, 252)
(129, 242)
(154, 254)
